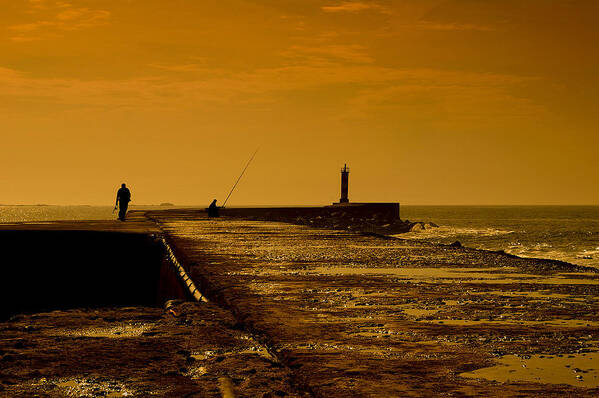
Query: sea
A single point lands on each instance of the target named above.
(42, 213)
(566, 233)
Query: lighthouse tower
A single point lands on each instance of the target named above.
(344, 184)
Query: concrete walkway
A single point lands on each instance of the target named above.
(90, 321)
(355, 315)
(296, 311)
(136, 223)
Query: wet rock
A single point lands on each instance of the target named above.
(417, 227)
(172, 303)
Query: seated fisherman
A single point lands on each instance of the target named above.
(213, 209)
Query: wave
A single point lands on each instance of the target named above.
(502, 239)
(545, 250)
(444, 232)
(588, 254)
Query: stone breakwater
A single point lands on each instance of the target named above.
(380, 218)
(341, 220)
(360, 315)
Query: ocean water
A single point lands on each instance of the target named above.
(567, 233)
(12, 214)
(20, 214)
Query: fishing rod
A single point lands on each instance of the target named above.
(239, 178)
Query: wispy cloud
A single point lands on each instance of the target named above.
(193, 67)
(63, 18)
(353, 53)
(446, 97)
(370, 92)
(46, 4)
(353, 6)
(427, 25)
(38, 4)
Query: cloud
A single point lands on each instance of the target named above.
(446, 98)
(7, 74)
(64, 18)
(353, 6)
(31, 27)
(82, 17)
(182, 67)
(353, 53)
(38, 4)
(427, 25)
(362, 91)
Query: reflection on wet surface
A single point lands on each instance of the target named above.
(560, 322)
(545, 295)
(320, 293)
(418, 312)
(115, 332)
(178, 351)
(80, 387)
(581, 370)
(446, 275)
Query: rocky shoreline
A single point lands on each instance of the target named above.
(384, 226)
(344, 220)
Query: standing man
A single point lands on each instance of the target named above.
(123, 197)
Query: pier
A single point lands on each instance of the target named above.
(287, 310)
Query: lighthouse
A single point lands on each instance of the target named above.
(344, 184)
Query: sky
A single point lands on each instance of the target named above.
(427, 101)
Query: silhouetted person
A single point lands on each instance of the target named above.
(123, 197)
(213, 209)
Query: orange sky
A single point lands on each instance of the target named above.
(428, 101)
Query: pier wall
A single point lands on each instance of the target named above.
(383, 212)
(57, 270)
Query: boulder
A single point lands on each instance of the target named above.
(417, 227)
(430, 225)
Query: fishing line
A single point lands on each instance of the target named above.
(241, 175)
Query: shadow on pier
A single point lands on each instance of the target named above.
(57, 270)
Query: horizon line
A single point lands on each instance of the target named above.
(301, 205)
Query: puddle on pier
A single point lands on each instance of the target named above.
(389, 247)
(580, 370)
(542, 295)
(77, 387)
(115, 332)
(411, 273)
(197, 372)
(451, 275)
(566, 323)
(253, 350)
(420, 312)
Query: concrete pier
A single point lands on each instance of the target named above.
(296, 311)
(358, 315)
(384, 211)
